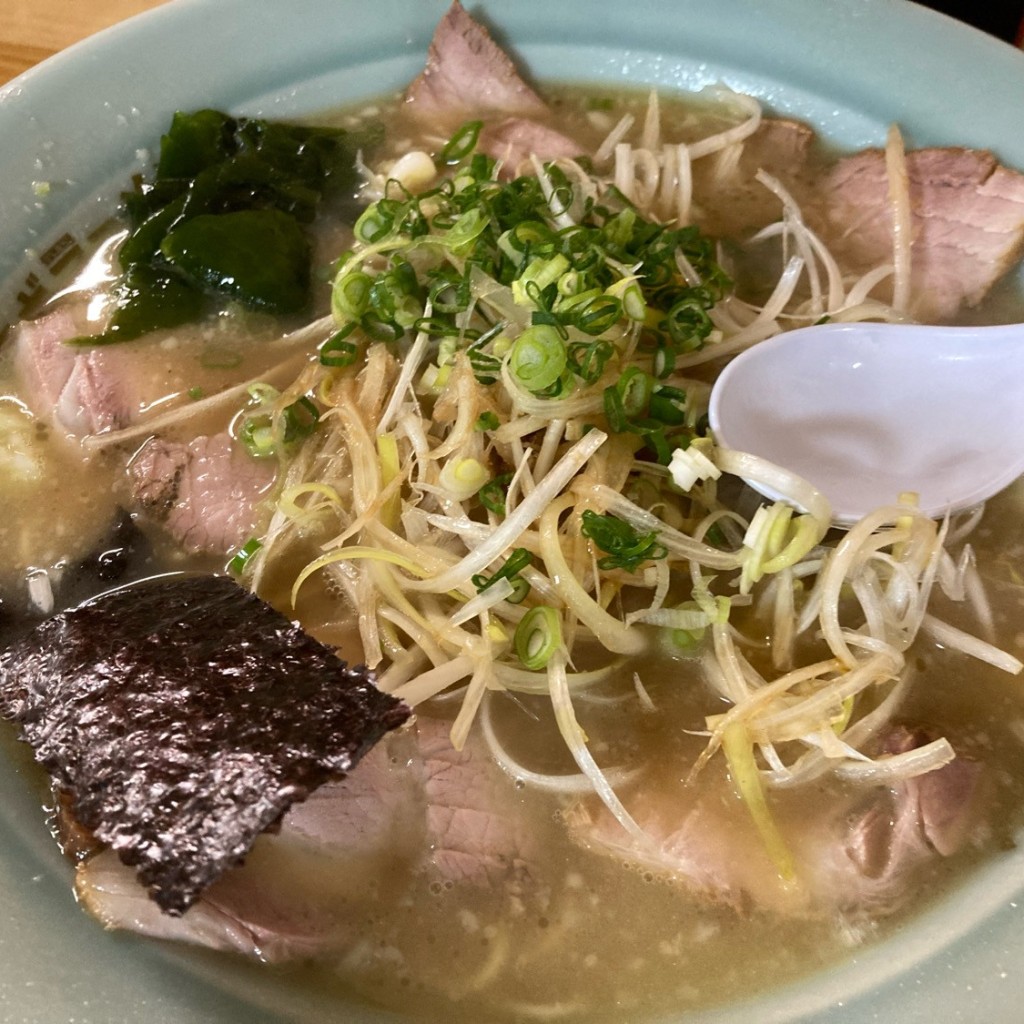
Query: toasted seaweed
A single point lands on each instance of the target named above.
(181, 717)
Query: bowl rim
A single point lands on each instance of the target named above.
(168, 58)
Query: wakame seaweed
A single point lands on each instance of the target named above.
(224, 218)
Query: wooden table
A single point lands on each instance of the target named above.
(32, 30)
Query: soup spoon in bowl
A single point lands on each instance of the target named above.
(868, 411)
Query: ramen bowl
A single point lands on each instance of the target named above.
(75, 129)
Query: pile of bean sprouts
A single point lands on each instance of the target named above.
(455, 595)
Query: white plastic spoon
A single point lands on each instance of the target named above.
(867, 411)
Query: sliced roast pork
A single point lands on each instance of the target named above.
(413, 808)
(86, 391)
(207, 493)
(301, 890)
(780, 146)
(893, 830)
(476, 834)
(181, 717)
(513, 141)
(855, 855)
(468, 73)
(967, 226)
(741, 206)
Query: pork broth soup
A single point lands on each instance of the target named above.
(672, 745)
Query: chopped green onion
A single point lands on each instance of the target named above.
(243, 555)
(541, 273)
(462, 143)
(514, 565)
(614, 412)
(350, 296)
(338, 352)
(492, 495)
(635, 388)
(262, 393)
(668, 405)
(300, 419)
(373, 224)
(257, 437)
(538, 358)
(688, 324)
(487, 421)
(465, 230)
(438, 327)
(628, 399)
(538, 636)
(629, 293)
(381, 330)
(486, 367)
(624, 547)
(532, 237)
(588, 359)
(655, 440)
(597, 315)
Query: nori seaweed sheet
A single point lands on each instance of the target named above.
(182, 716)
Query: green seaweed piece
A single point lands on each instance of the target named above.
(194, 142)
(148, 299)
(260, 257)
(222, 219)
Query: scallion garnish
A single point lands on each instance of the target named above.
(514, 565)
(538, 636)
(243, 555)
(588, 359)
(337, 351)
(257, 436)
(625, 548)
(300, 419)
(486, 367)
(492, 495)
(538, 358)
(350, 295)
(462, 143)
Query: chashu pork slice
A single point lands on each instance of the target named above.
(966, 227)
(856, 856)
(182, 717)
(467, 75)
(414, 808)
(207, 493)
(85, 391)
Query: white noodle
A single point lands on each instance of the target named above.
(899, 204)
(897, 767)
(958, 640)
(603, 152)
(577, 744)
(514, 524)
(568, 785)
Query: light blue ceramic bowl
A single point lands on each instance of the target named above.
(83, 121)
